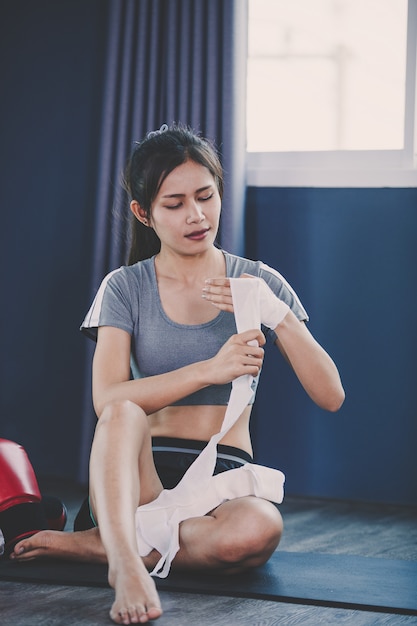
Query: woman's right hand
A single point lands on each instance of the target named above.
(241, 354)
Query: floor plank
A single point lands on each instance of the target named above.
(47, 605)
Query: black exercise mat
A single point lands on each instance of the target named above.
(304, 578)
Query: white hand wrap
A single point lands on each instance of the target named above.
(272, 309)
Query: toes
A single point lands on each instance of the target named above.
(33, 546)
(154, 612)
(135, 615)
(132, 615)
(21, 548)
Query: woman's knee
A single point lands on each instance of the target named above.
(122, 412)
(254, 533)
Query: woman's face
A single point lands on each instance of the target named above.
(185, 214)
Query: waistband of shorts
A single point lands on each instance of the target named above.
(194, 446)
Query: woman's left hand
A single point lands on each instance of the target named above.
(217, 291)
(273, 310)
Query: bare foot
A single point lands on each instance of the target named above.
(137, 600)
(80, 546)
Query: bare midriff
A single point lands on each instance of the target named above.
(200, 423)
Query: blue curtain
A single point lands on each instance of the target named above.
(166, 61)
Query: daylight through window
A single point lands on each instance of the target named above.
(326, 75)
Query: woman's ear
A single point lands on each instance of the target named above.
(139, 212)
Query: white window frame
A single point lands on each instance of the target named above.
(349, 168)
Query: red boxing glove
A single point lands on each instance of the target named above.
(21, 511)
(55, 512)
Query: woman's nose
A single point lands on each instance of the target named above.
(196, 215)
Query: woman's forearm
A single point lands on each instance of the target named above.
(314, 368)
(153, 392)
(111, 384)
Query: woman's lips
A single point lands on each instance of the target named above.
(198, 234)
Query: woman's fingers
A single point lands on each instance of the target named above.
(241, 354)
(217, 291)
(249, 336)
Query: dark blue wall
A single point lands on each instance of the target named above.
(51, 68)
(351, 255)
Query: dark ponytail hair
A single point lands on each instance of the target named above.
(152, 161)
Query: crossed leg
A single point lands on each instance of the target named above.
(238, 534)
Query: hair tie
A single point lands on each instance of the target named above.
(155, 133)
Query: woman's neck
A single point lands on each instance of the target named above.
(187, 268)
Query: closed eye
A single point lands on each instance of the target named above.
(179, 204)
(173, 206)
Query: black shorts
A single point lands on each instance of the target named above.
(172, 458)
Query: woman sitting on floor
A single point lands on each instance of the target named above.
(167, 352)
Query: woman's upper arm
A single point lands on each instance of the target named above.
(111, 363)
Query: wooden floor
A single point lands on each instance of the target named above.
(310, 526)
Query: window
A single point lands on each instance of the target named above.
(331, 85)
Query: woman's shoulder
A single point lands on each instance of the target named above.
(128, 274)
(116, 301)
(237, 265)
(127, 281)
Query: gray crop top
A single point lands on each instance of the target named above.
(128, 298)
